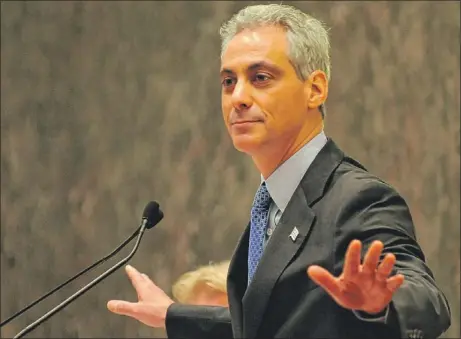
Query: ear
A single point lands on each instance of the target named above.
(316, 89)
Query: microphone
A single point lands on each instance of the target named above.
(152, 215)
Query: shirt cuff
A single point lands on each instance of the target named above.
(380, 317)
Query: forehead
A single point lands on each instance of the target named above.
(255, 45)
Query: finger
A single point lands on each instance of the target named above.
(136, 278)
(123, 307)
(148, 280)
(325, 279)
(352, 260)
(385, 268)
(371, 260)
(393, 283)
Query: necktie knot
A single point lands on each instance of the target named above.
(262, 198)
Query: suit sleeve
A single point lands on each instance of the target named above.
(201, 322)
(377, 212)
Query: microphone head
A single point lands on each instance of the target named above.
(152, 213)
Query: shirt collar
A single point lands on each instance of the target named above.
(286, 178)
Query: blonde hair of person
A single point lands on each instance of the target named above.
(213, 276)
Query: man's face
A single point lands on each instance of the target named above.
(264, 103)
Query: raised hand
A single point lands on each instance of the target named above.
(363, 287)
(152, 304)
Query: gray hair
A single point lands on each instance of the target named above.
(309, 45)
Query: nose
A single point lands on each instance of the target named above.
(241, 96)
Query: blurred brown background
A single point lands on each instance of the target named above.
(107, 105)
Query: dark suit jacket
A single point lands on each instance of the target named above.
(337, 201)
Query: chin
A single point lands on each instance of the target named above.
(246, 144)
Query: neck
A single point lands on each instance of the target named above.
(269, 159)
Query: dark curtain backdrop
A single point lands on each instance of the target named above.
(107, 105)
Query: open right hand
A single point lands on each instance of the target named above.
(152, 304)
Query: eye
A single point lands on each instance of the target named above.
(261, 77)
(227, 82)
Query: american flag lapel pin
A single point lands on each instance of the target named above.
(294, 234)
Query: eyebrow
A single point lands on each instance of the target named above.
(257, 65)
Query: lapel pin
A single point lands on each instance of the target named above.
(294, 234)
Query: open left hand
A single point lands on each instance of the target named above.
(365, 287)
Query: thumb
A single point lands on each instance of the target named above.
(324, 279)
(123, 307)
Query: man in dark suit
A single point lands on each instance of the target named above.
(330, 250)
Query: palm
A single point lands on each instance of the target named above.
(364, 287)
(361, 293)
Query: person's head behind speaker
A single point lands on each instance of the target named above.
(203, 286)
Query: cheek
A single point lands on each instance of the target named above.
(226, 108)
(285, 110)
(275, 111)
(267, 103)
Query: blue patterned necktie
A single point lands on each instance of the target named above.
(259, 220)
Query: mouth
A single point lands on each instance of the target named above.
(243, 122)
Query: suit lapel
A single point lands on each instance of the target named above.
(315, 181)
(279, 252)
